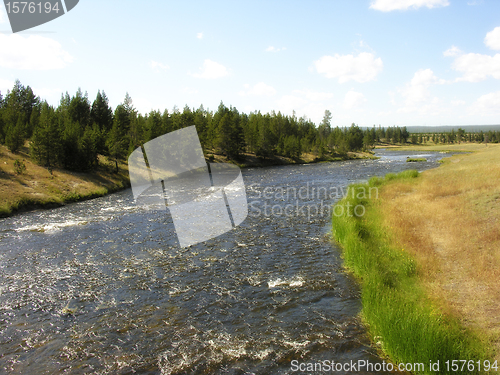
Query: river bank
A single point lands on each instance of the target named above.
(25, 186)
(426, 255)
(30, 186)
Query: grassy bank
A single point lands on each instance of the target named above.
(449, 219)
(29, 186)
(455, 147)
(408, 323)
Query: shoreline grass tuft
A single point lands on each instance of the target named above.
(407, 325)
(415, 160)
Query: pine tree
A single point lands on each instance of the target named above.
(101, 113)
(118, 141)
(71, 134)
(201, 123)
(79, 109)
(87, 148)
(154, 125)
(16, 112)
(45, 146)
(15, 135)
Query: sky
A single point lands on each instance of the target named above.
(370, 62)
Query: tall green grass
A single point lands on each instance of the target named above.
(407, 325)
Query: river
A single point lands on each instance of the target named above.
(103, 287)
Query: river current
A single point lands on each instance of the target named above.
(102, 286)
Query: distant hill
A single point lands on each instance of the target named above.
(449, 128)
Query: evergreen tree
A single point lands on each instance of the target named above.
(373, 135)
(404, 135)
(101, 112)
(460, 134)
(327, 118)
(117, 141)
(79, 109)
(15, 135)
(201, 123)
(291, 146)
(45, 146)
(354, 138)
(16, 112)
(264, 146)
(71, 134)
(227, 131)
(186, 118)
(368, 141)
(166, 122)
(34, 120)
(154, 125)
(88, 147)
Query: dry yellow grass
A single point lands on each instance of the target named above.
(464, 146)
(36, 186)
(449, 219)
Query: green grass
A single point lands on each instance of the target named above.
(406, 324)
(22, 202)
(409, 160)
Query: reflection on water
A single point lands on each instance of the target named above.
(102, 286)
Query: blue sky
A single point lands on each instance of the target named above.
(388, 62)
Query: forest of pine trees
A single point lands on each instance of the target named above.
(73, 134)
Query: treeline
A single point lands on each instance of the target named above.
(458, 136)
(74, 133)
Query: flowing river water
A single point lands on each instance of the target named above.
(102, 286)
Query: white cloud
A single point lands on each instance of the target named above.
(32, 53)
(388, 5)
(158, 65)
(425, 77)
(476, 67)
(211, 70)
(416, 93)
(353, 99)
(361, 68)
(492, 39)
(260, 89)
(199, 35)
(487, 104)
(274, 49)
(452, 52)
